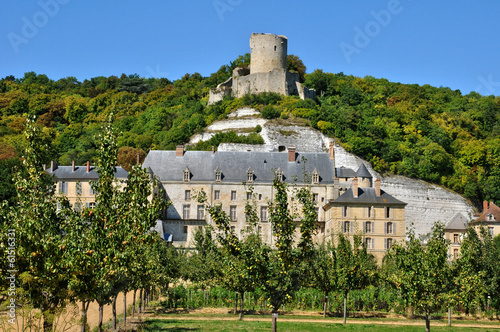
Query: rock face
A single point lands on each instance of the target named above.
(427, 203)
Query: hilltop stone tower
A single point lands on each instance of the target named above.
(267, 73)
(268, 52)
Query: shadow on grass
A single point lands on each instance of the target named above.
(164, 325)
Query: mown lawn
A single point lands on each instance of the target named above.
(177, 325)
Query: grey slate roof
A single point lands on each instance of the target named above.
(366, 196)
(343, 172)
(459, 222)
(363, 172)
(234, 165)
(80, 173)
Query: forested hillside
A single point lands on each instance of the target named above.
(435, 134)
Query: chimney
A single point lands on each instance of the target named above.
(52, 166)
(88, 166)
(332, 152)
(213, 149)
(291, 154)
(377, 187)
(485, 206)
(355, 187)
(179, 150)
(73, 166)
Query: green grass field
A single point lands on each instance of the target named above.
(175, 325)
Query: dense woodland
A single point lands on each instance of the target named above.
(435, 134)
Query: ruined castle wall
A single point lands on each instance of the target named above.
(273, 81)
(268, 52)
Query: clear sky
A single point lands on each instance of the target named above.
(447, 43)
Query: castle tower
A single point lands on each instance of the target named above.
(268, 52)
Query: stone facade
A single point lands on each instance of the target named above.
(268, 72)
(224, 175)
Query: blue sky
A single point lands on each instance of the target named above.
(454, 44)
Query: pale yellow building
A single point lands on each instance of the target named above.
(454, 232)
(489, 218)
(75, 182)
(369, 211)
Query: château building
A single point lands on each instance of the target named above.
(349, 204)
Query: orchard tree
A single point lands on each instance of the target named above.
(353, 266)
(322, 270)
(422, 271)
(35, 222)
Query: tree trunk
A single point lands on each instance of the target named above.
(427, 322)
(114, 313)
(241, 304)
(125, 309)
(345, 308)
(325, 304)
(449, 316)
(133, 303)
(275, 322)
(48, 318)
(235, 303)
(140, 302)
(101, 313)
(85, 308)
(144, 300)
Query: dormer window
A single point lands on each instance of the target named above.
(218, 174)
(249, 175)
(315, 176)
(187, 175)
(490, 217)
(279, 174)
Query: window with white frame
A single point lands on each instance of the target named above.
(263, 213)
(217, 195)
(369, 243)
(186, 211)
(187, 195)
(232, 212)
(63, 187)
(200, 212)
(233, 195)
(388, 243)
